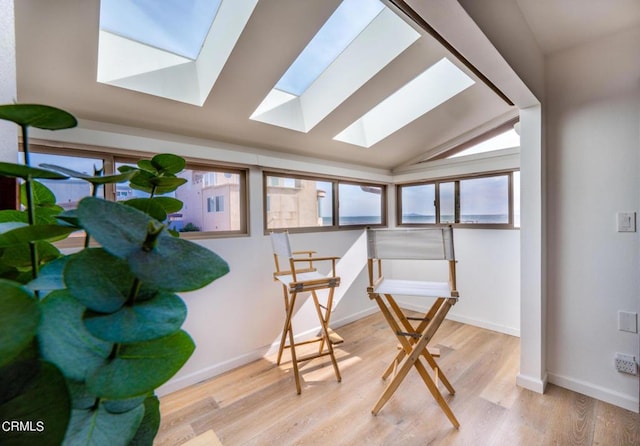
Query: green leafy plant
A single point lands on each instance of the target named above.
(86, 338)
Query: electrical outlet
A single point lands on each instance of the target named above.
(626, 364)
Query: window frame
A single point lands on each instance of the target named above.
(456, 180)
(335, 218)
(111, 156)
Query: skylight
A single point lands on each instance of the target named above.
(350, 48)
(173, 49)
(176, 26)
(504, 140)
(344, 25)
(436, 85)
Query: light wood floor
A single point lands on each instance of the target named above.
(257, 404)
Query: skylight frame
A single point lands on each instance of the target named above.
(323, 49)
(360, 61)
(444, 80)
(161, 25)
(132, 65)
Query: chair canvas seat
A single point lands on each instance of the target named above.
(413, 288)
(287, 279)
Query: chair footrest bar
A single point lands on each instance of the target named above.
(412, 335)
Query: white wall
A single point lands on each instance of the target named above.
(488, 279)
(593, 141)
(8, 130)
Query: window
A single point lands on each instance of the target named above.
(215, 204)
(301, 202)
(489, 201)
(214, 197)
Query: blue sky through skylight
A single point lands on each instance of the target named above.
(177, 26)
(344, 25)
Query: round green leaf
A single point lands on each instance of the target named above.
(41, 399)
(150, 423)
(19, 319)
(100, 281)
(65, 341)
(39, 116)
(49, 276)
(69, 218)
(168, 163)
(198, 266)
(167, 184)
(122, 231)
(19, 256)
(118, 228)
(148, 206)
(81, 398)
(24, 172)
(101, 427)
(12, 215)
(169, 204)
(141, 367)
(41, 194)
(148, 166)
(124, 405)
(144, 321)
(50, 233)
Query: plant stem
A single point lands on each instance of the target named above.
(133, 293)
(94, 193)
(31, 208)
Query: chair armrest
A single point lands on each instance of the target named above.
(295, 253)
(315, 259)
(310, 260)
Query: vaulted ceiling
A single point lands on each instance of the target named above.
(57, 43)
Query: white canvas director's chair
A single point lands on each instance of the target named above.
(303, 277)
(413, 333)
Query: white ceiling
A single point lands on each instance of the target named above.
(57, 57)
(561, 24)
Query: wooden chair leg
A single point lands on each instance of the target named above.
(325, 331)
(287, 324)
(409, 327)
(412, 360)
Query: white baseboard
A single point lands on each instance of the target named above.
(600, 393)
(465, 320)
(238, 361)
(531, 383)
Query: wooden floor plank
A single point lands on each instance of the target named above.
(257, 404)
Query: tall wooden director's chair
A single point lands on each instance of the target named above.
(413, 333)
(304, 279)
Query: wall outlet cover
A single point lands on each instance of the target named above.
(626, 364)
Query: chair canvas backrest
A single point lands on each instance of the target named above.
(280, 244)
(411, 244)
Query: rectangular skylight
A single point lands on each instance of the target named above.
(176, 26)
(344, 25)
(436, 85)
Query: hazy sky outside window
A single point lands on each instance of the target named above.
(359, 204)
(69, 190)
(447, 203)
(418, 203)
(177, 26)
(344, 25)
(484, 200)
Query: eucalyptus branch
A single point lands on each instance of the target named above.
(31, 208)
